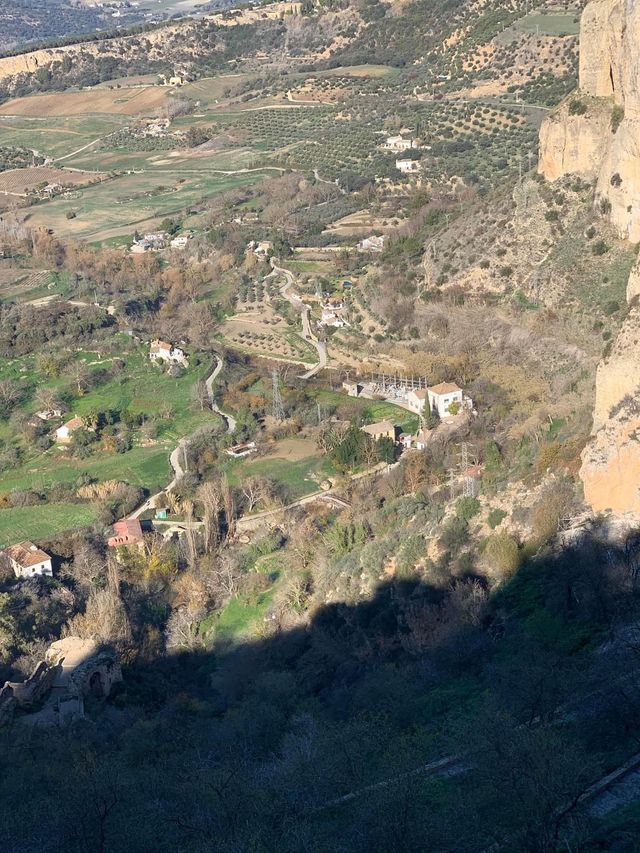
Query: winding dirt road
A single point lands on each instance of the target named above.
(178, 457)
(304, 310)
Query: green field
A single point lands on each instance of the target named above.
(142, 389)
(235, 621)
(296, 477)
(552, 24)
(57, 136)
(118, 206)
(373, 410)
(40, 522)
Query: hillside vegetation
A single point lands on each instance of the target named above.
(329, 641)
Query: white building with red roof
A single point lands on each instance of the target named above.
(27, 560)
(64, 432)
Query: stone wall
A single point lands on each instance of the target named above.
(73, 669)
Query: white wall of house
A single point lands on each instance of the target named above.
(63, 433)
(441, 402)
(415, 402)
(43, 568)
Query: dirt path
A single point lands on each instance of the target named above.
(78, 150)
(178, 457)
(299, 305)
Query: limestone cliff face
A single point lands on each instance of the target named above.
(574, 144)
(619, 180)
(618, 375)
(611, 464)
(601, 35)
(609, 75)
(633, 285)
(604, 141)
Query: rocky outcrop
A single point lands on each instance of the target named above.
(584, 144)
(597, 133)
(619, 180)
(601, 35)
(618, 376)
(633, 285)
(73, 669)
(575, 144)
(610, 470)
(611, 462)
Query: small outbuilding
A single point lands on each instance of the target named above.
(380, 429)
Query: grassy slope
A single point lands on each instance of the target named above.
(141, 389)
(42, 521)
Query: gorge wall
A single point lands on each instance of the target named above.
(595, 134)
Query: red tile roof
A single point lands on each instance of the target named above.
(127, 531)
(27, 554)
(445, 388)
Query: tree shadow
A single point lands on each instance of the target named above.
(428, 717)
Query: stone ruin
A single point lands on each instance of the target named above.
(54, 693)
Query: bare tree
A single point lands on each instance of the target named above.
(229, 506)
(79, 373)
(200, 395)
(210, 496)
(256, 490)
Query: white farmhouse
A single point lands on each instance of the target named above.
(27, 560)
(163, 351)
(408, 167)
(372, 244)
(180, 242)
(443, 396)
(399, 143)
(416, 398)
(64, 432)
(417, 441)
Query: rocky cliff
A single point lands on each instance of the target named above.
(572, 144)
(596, 134)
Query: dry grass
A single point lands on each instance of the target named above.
(144, 100)
(292, 449)
(21, 181)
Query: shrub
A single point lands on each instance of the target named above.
(506, 272)
(496, 517)
(577, 107)
(455, 534)
(600, 248)
(605, 206)
(501, 554)
(617, 115)
(467, 507)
